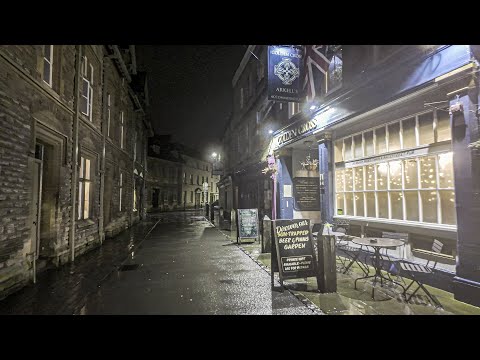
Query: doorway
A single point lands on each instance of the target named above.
(155, 197)
(197, 198)
(45, 198)
(36, 205)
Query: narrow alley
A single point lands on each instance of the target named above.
(175, 263)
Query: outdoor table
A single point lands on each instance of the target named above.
(333, 233)
(377, 244)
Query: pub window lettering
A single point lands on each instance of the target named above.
(47, 64)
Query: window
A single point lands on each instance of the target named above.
(443, 126)
(191, 196)
(108, 113)
(47, 64)
(419, 188)
(260, 71)
(198, 179)
(120, 186)
(84, 189)
(184, 178)
(425, 128)
(86, 98)
(335, 67)
(293, 108)
(184, 196)
(191, 179)
(134, 195)
(414, 189)
(242, 99)
(203, 180)
(122, 130)
(135, 147)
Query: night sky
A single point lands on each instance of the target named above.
(191, 90)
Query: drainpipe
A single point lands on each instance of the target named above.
(73, 196)
(101, 232)
(134, 59)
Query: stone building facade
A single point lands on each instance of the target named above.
(73, 137)
(176, 177)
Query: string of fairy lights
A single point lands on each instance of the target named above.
(417, 189)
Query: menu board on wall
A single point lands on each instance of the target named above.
(294, 249)
(247, 224)
(306, 193)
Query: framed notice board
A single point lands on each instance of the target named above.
(306, 193)
(247, 224)
(294, 252)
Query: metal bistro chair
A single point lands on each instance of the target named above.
(393, 262)
(412, 270)
(343, 246)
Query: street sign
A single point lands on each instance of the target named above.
(247, 224)
(294, 255)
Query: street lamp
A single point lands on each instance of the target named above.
(270, 131)
(214, 154)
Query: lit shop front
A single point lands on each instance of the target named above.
(395, 156)
(399, 177)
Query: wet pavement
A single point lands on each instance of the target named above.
(174, 263)
(350, 301)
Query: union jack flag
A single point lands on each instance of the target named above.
(315, 60)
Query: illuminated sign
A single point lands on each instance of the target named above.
(289, 135)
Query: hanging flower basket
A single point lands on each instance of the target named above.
(310, 165)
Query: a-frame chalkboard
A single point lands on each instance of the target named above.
(294, 255)
(247, 224)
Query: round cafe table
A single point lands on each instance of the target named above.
(377, 244)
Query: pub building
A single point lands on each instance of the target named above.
(390, 153)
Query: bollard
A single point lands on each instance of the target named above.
(327, 272)
(266, 234)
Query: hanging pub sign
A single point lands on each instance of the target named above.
(285, 72)
(294, 251)
(247, 224)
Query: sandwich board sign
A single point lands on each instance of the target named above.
(294, 251)
(247, 224)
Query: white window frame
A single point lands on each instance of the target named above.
(49, 61)
(82, 181)
(293, 108)
(389, 190)
(122, 130)
(134, 196)
(120, 187)
(89, 82)
(135, 147)
(109, 113)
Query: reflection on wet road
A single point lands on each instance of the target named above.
(183, 266)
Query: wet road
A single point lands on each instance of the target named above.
(183, 266)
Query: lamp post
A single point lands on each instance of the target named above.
(205, 194)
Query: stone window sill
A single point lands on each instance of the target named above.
(85, 223)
